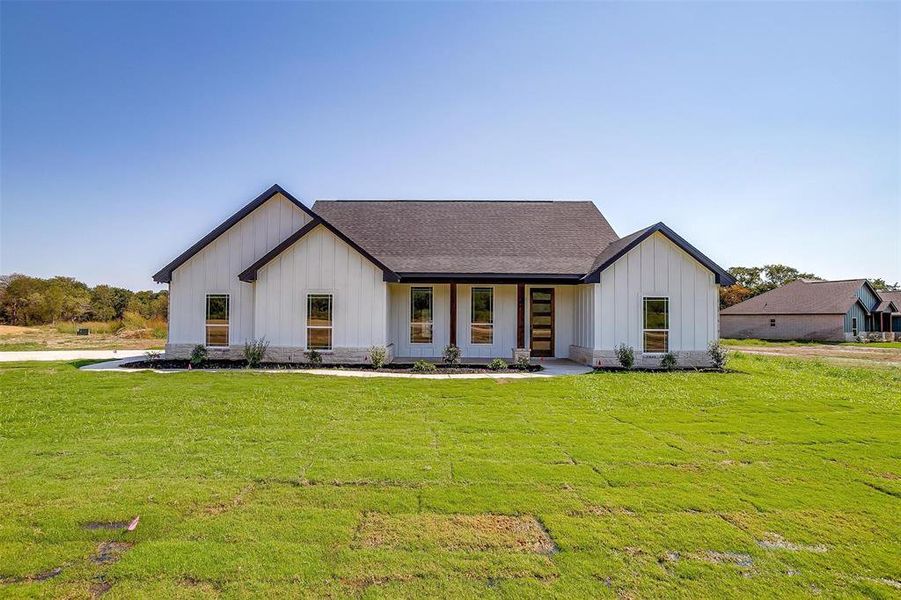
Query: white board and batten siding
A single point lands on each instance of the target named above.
(659, 268)
(320, 262)
(399, 313)
(215, 269)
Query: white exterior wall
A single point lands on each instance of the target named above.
(215, 269)
(656, 267)
(504, 320)
(320, 262)
(504, 339)
(583, 315)
(399, 319)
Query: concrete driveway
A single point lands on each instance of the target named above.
(47, 355)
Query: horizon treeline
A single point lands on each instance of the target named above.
(26, 300)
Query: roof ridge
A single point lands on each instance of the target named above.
(474, 200)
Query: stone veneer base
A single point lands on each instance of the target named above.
(280, 354)
(607, 358)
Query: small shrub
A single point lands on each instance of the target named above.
(377, 356)
(153, 356)
(625, 355)
(198, 355)
(718, 354)
(497, 364)
(255, 351)
(314, 358)
(451, 354)
(424, 366)
(668, 362)
(522, 363)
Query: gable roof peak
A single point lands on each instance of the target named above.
(164, 275)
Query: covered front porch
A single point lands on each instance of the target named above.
(485, 319)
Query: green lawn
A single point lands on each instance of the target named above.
(781, 478)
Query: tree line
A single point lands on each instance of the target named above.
(752, 281)
(26, 300)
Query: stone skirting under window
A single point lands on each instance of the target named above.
(607, 358)
(284, 354)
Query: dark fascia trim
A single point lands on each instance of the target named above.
(387, 273)
(530, 278)
(250, 273)
(164, 275)
(721, 275)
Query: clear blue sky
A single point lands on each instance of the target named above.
(765, 132)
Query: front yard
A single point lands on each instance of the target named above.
(780, 478)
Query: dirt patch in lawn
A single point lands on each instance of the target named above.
(110, 552)
(94, 525)
(484, 532)
(849, 355)
(774, 541)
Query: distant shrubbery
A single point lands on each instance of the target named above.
(72, 305)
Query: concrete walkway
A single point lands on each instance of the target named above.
(553, 367)
(45, 355)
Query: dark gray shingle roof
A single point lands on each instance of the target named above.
(801, 297)
(471, 236)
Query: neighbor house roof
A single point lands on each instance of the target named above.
(891, 301)
(474, 237)
(802, 297)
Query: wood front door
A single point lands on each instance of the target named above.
(541, 321)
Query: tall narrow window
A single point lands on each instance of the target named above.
(319, 321)
(482, 320)
(421, 315)
(853, 325)
(656, 324)
(217, 320)
(772, 322)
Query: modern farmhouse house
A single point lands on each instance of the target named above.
(815, 310)
(496, 278)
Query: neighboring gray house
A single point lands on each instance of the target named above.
(813, 310)
(496, 278)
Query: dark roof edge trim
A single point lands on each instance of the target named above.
(721, 275)
(250, 273)
(164, 275)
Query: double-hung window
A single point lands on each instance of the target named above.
(319, 321)
(217, 320)
(482, 318)
(854, 326)
(421, 315)
(655, 324)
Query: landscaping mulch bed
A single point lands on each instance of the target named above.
(181, 364)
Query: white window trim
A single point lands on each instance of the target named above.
(471, 322)
(307, 326)
(668, 329)
(431, 288)
(228, 310)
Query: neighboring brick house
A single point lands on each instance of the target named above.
(815, 310)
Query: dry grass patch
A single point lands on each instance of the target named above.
(484, 532)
